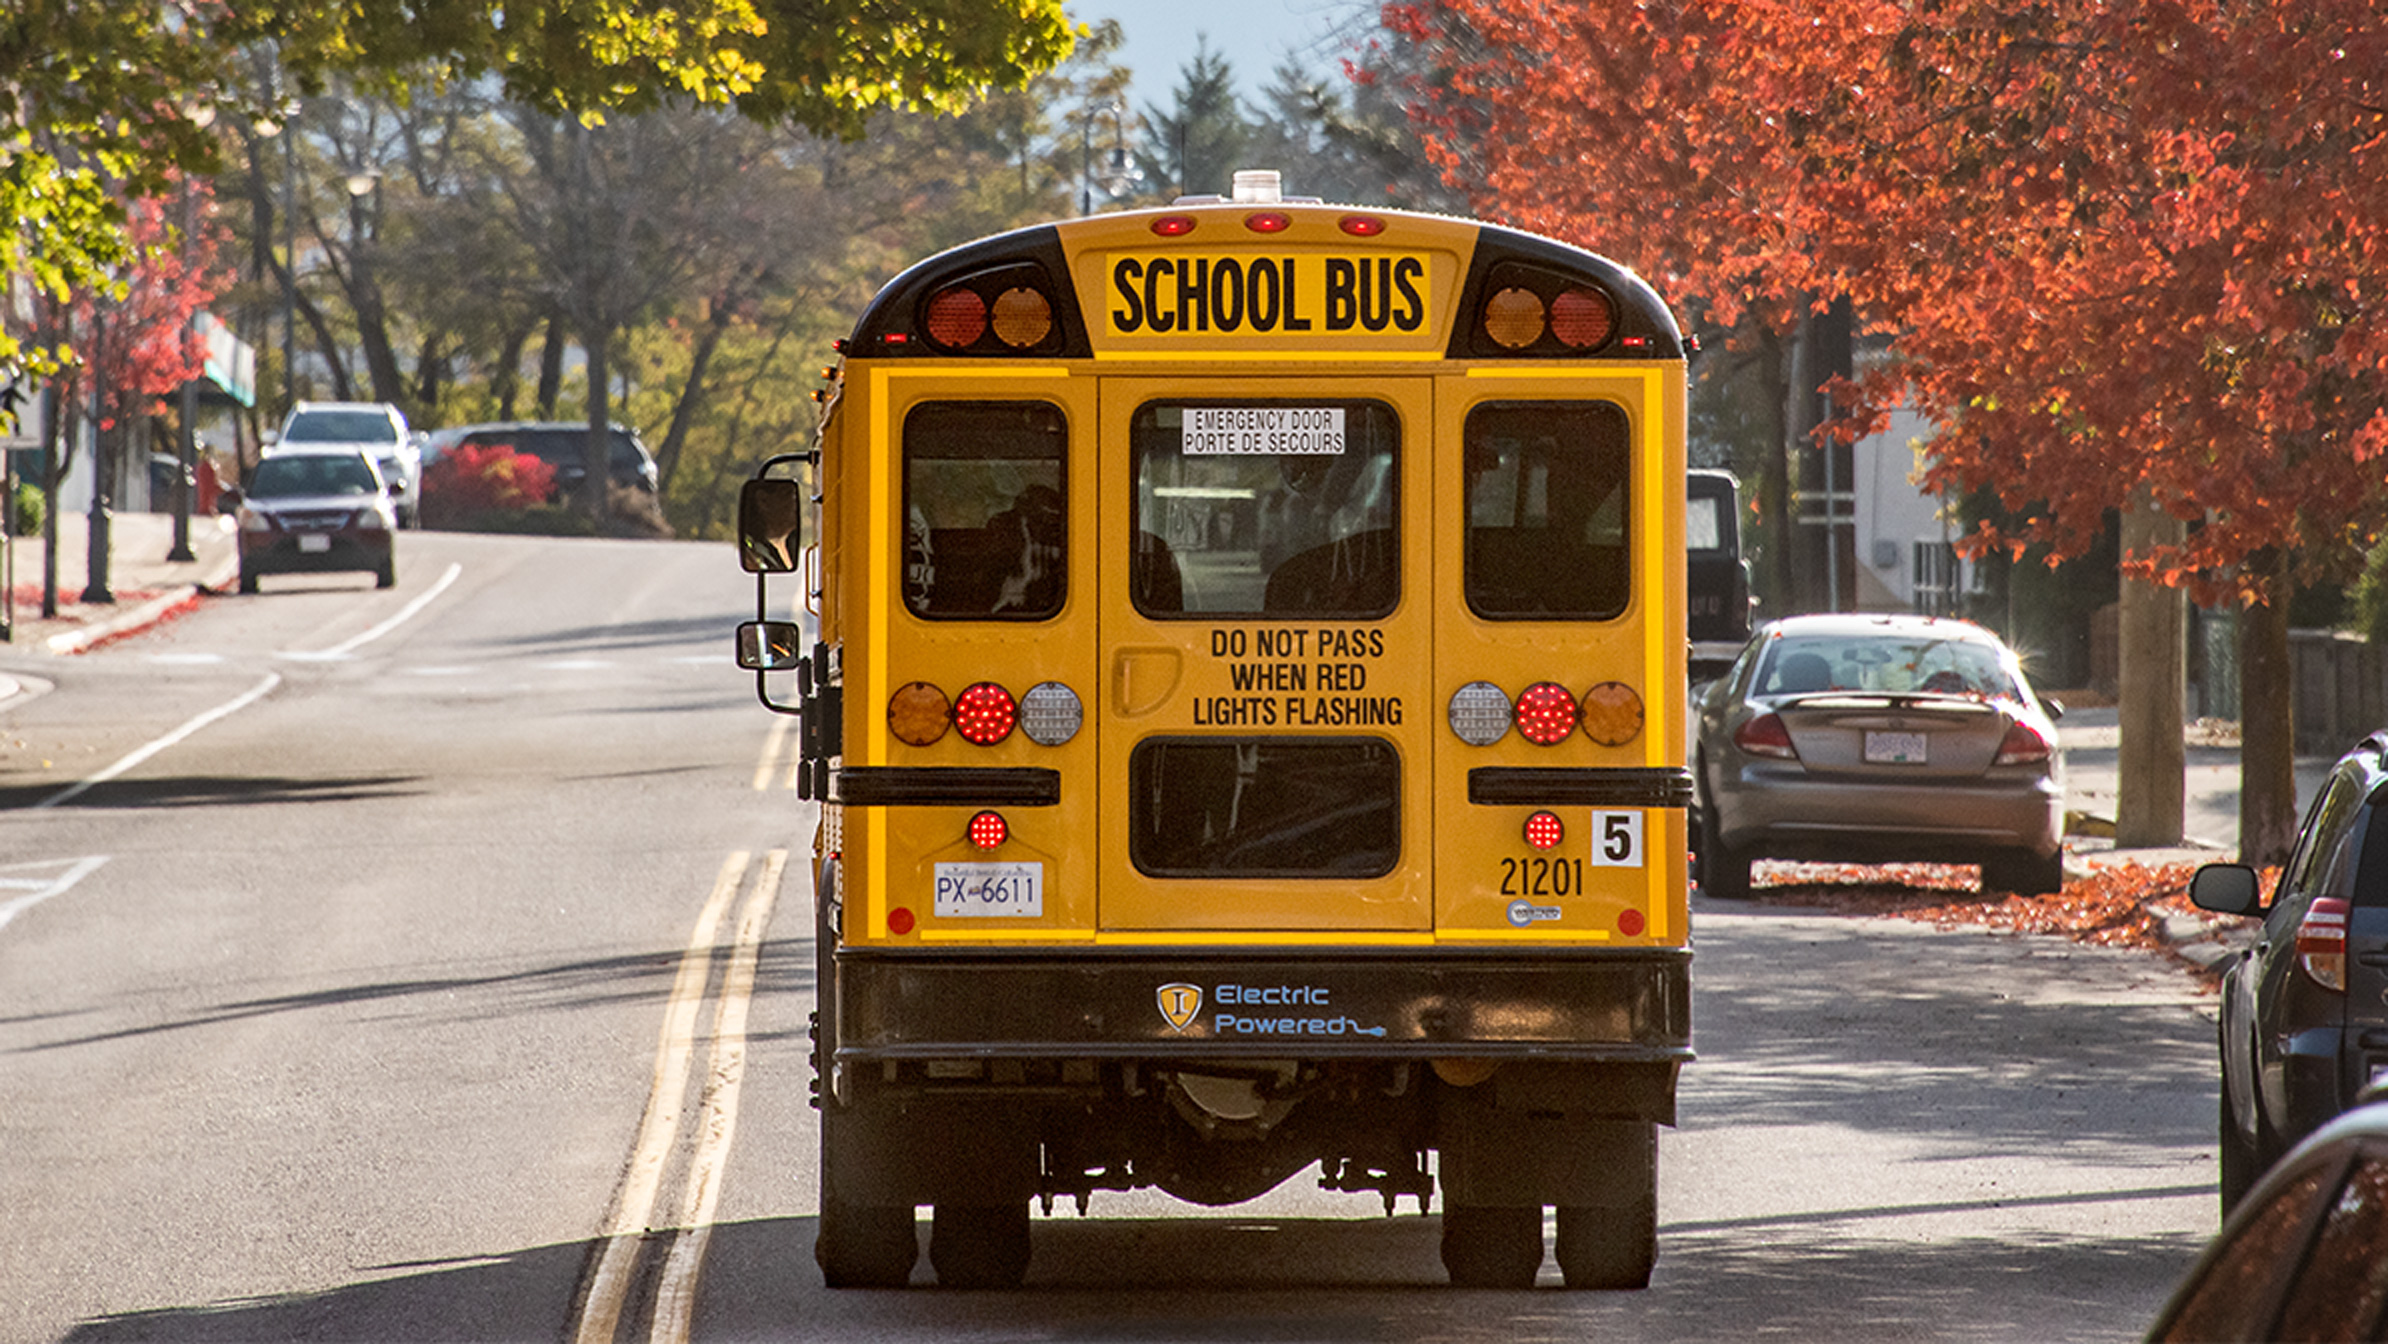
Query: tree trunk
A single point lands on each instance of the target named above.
(2267, 721)
(2151, 774)
(1774, 486)
(596, 455)
(692, 394)
(551, 365)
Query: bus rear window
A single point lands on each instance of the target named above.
(1264, 807)
(1546, 509)
(1266, 508)
(984, 525)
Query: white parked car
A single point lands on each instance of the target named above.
(375, 427)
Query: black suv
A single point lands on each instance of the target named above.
(2304, 1018)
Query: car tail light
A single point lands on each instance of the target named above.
(1051, 714)
(918, 714)
(988, 829)
(984, 714)
(1544, 830)
(957, 317)
(1545, 713)
(1765, 735)
(1513, 318)
(2322, 942)
(1480, 713)
(2022, 745)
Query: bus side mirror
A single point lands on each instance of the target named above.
(770, 525)
(769, 646)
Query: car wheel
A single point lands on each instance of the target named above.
(1724, 870)
(248, 582)
(1492, 1247)
(980, 1245)
(2024, 874)
(387, 575)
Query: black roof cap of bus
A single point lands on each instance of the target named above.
(893, 311)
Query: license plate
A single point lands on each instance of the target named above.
(1895, 748)
(314, 541)
(990, 890)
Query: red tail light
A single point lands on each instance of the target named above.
(988, 830)
(984, 714)
(1765, 735)
(1545, 713)
(2023, 746)
(1544, 830)
(2322, 942)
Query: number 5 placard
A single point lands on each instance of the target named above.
(1616, 839)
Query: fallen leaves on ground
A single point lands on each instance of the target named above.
(2124, 904)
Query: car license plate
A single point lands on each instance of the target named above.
(983, 890)
(314, 541)
(1895, 748)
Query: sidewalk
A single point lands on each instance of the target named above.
(146, 585)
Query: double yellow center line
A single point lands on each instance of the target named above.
(606, 1283)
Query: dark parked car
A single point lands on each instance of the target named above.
(1875, 739)
(2304, 1024)
(562, 444)
(312, 511)
(2305, 1256)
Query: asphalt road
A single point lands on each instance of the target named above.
(431, 935)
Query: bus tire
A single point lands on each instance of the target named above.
(865, 1246)
(1492, 1246)
(980, 1245)
(1605, 1247)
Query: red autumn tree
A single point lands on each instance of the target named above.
(2122, 250)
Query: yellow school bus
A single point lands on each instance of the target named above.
(1247, 717)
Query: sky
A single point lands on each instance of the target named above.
(1254, 35)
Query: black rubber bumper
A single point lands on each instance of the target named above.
(1140, 1003)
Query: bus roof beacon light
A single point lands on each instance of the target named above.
(1023, 317)
(1513, 318)
(1258, 186)
(1051, 714)
(1480, 713)
(957, 317)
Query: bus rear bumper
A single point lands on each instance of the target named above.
(1610, 1006)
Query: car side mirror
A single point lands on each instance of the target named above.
(770, 525)
(769, 646)
(2054, 706)
(2226, 889)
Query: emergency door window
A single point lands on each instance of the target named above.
(1547, 510)
(1264, 807)
(985, 531)
(1266, 508)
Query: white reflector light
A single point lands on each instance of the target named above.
(1480, 713)
(1050, 714)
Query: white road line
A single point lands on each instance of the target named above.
(37, 890)
(140, 754)
(766, 766)
(634, 1199)
(404, 614)
(675, 1295)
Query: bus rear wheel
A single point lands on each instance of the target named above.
(1492, 1247)
(1603, 1247)
(865, 1246)
(980, 1245)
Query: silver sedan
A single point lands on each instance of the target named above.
(1874, 739)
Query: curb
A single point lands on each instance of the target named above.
(141, 617)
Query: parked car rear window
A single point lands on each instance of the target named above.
(1803, 664)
